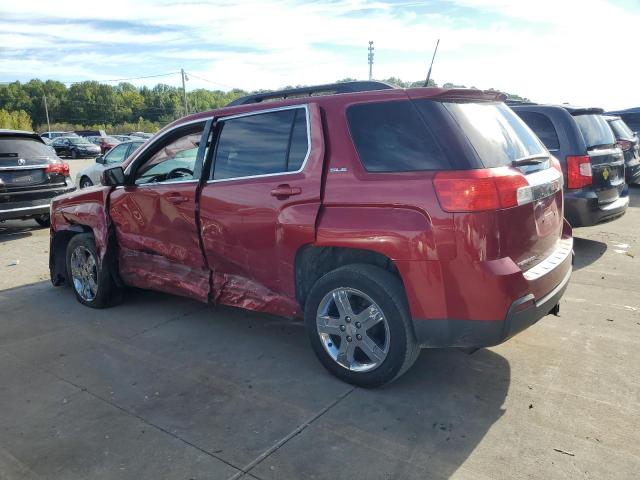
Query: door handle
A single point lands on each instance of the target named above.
(284, 191)
(176, 198)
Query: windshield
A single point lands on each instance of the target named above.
(595, 130)
(21, 147)
(496, 133)
(621, 130)
(79, 141)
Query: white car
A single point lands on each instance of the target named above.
(118, 154)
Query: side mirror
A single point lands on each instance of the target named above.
(112, 177)
(100, 159)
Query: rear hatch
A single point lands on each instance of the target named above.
(510, 203)
(27, 164)
(607, 161)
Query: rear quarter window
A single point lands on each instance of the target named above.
(595, 130)
(542, 127)
(392, 137)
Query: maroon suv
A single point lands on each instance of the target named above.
(389, 219)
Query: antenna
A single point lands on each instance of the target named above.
(426, 82)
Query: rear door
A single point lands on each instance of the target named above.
(607, 161)
(260, 204)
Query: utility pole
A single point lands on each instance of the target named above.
(46, 110)
(370, 59)
(184, 91)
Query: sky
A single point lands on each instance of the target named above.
(583, 52)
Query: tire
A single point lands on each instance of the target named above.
(43, 220)
(365, 287)
(85, 182)
(104, 292)
(74, 154)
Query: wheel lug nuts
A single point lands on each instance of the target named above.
(347, 319)
(342, 328)
(349, 339)
(359, 337)
(358, 324)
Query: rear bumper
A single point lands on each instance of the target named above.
(17, 207)
(581, 208)
(523, 313)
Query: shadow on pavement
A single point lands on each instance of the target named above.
(227, 383)
(16, 229)
(634, 196)
(587, 251)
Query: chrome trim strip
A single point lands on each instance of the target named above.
(559, 255)
(23, 209)
(178, 182)
(270, 110)
(25, 167)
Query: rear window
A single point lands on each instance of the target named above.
(21, 147)
(496, 133)
(542, 127)
(595, 131)
(621, 130)
(392, 137)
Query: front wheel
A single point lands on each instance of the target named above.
(43, 220)
(90, 279)
(359, 325)
(85, 182)
(74, 154)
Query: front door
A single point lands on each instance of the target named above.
(155, 217)
(260, 205)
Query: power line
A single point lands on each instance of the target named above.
(132, 78)
(209, 81)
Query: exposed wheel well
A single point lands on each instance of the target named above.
(58, 253)
(85, 177)
(314, 262)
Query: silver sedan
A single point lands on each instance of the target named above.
(118, 154)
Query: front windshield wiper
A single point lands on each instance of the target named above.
(530, 160)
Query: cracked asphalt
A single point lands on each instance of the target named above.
(162, 387)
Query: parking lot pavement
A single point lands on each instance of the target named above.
(163, 387)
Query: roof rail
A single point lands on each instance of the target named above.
(519, 102)
(329, 89)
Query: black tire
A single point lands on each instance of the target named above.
(386, 290)
(43, 220)
(107, 292)
(85, 182)
(74, 153)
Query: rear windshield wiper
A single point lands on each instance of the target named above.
(530, 160)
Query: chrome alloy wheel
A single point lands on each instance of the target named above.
(84, 273)
(353, 329)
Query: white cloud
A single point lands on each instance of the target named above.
(548, 50)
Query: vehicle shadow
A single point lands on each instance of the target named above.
(259, 373)
(16, 229)
(587, 252)
(634, 196)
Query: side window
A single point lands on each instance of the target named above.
(173, 160)
(116, 154)
(392, 137)
(261, 144)
(542, 127)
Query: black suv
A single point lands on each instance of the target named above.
(30, 176)
(592, 163)
(628, 141)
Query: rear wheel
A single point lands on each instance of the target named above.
(85, 182)
(91, 281)
(359, 325)
(43, 220)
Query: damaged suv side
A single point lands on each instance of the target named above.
(389, 219)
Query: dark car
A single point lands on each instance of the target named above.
(592, 163)
(105, 143)
(30, 176)
(390, 219)
(75, 147)
(628, 142)
(631, 117)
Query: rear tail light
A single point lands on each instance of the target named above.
(479, 190)
(625, 145)
(59, 168)
(578, 171)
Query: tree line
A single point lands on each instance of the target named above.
(115, 108)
